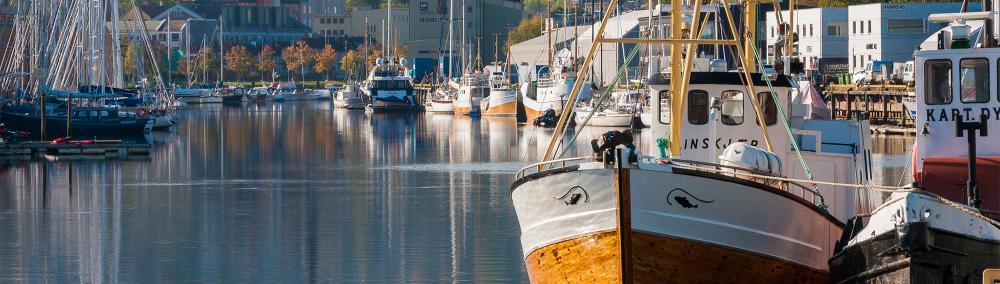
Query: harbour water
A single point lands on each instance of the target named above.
(295, 192)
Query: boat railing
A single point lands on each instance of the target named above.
(537, 167)
(785, 184)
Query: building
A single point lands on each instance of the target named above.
(892, 31)
(244, 25)
(486, 24)
(327, 18)
(823, 38)
(8, 10)
(371, 22)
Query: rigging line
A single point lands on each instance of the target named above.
(781, 114)
(600, 104)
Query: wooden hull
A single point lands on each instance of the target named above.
(504, 109)
(681, 226)
(595, 258)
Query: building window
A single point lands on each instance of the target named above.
(697, 107)
(772, 31)
(869, 26)
(810, 30)
(905, 25)
(175, 37)
(937, 82)
(769, 107)
(974, 80)
(665, 107)
(836, 30)
(854, 27)
(732, 107)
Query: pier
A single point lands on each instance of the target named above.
(882, 105)
(98, 150)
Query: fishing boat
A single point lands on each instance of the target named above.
(260, 94)
(726, 200)
(349, 97)
(471, 91)
(502, 100)
(938, 231)
(389, 87)
(549, 91)
(443, 99)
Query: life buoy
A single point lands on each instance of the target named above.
(913, 164)
(141, 113)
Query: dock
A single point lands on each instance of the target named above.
(882, 105)
(43, 149)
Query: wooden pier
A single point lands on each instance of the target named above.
(882, 105)
(31, 150)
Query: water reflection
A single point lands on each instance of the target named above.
(295, 192)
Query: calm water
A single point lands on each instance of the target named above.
(288, 193)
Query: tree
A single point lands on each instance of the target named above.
(239, 60)
(352, 62)
(265, 62)
(325, 60)
(399, 51)
(527, 29)
(206, 62)
(298, 56)
(128, 60)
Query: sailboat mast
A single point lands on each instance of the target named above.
(465, 57)
(451, 40)
(222, 38)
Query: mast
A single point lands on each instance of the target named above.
(388, 32)
(451, 40)
(465, 57)
(222, 49)
(170, 66)
(119, 69)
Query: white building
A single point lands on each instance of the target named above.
(823, 41)
(892, 31)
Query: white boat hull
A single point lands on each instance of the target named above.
(605, 119)
(500, 102)
(443, 107)
(739, 216)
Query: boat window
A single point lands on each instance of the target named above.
(665, 107)
(975, 74)
(769, 107)
(732, 107)
(937, 82)
(697, 107)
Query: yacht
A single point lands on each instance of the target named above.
(349, 97)
(389, 87)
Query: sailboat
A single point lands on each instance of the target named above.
(937, 231)
(79, 91)
(550, 87)
(722, 201)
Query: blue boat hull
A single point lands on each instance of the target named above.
(56, 126)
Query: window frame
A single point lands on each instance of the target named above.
(770, 117)
(988, 84)
(663, 100)
(722, 108)
(703, 118)
(928, 87)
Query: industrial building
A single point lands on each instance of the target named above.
(823, 38)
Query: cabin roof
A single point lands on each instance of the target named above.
(720, 78)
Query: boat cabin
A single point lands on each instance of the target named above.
(957, 81)
(718, 112)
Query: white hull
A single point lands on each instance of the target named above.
(739, 216)
(163, 121)
(200, 99)
(499, 99)
(604, 119)
(350, 103)
(294, 97)
(443, 107)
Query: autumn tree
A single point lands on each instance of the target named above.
(298, 56)
(128, 60)
(352, 62)
(239, 60)
(265, 62)
(325, 60)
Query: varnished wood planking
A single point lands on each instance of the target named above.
(587, 259)
(593, 258)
